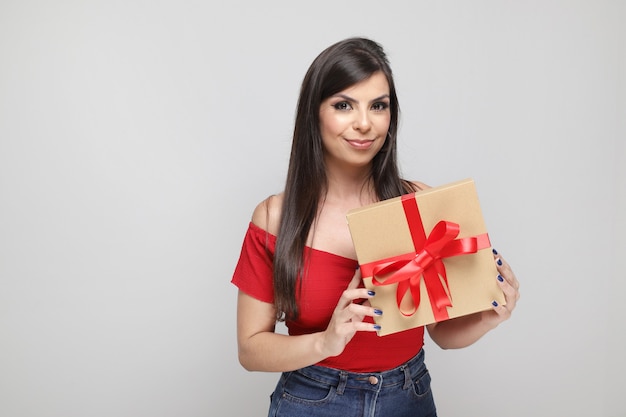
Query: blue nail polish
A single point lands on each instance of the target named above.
(378, 312)
(377, 327)
(370, 292)
(494, 303)
(499, 262)
(358, 266)
(500, 278)
(495, 252)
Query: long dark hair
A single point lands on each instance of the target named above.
(338, 67)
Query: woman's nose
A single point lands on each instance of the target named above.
(362, 121)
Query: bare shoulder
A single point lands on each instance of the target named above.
(266, 215)
(419, 186)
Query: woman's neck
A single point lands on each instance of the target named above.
(350, 189)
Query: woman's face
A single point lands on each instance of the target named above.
(355, 121)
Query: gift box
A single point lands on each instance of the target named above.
(427, 255)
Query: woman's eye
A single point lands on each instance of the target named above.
(342, 105)
(380, 106)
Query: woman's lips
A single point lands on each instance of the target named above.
(360, 144)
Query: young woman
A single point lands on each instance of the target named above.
(298, 263)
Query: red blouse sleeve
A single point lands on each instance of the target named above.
(253, 273)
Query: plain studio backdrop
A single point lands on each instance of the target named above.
(136, 137)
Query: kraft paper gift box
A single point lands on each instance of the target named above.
(427, 255)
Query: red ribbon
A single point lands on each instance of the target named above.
(426, 261)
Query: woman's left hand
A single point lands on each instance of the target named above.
(510, 287)
(463, 331)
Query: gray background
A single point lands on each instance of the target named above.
(136, 137)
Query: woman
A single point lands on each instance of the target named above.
(298, 263)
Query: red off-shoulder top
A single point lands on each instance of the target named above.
(326, 277)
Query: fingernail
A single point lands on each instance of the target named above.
(377, 327)
(378, 312)
(358, 266)
(500, 278)
(494, 303)
(499, 262)
(370, 292)
(495, 252)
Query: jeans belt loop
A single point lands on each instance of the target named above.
(343, 381)
(407, 377)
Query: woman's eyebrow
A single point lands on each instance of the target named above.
(380, 98)
(345, 97)
(348, 98)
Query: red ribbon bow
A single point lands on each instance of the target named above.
(426, 261)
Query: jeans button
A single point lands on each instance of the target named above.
(373, 380)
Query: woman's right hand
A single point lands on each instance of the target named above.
(347, 318)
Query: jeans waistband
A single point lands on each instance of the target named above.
(402, 374)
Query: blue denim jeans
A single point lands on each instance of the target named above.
(317, 391)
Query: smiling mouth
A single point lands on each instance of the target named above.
(360, 143)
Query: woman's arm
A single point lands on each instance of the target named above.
(261, 349)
